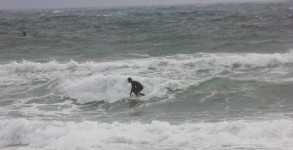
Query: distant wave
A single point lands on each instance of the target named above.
(140, 55)
(155, 135)
(241, 60)
(58, 11)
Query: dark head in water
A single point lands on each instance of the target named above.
(23, 33)
(129, 80)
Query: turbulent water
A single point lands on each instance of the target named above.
(215, 76)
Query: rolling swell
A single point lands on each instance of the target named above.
(223, 94)
(209, 86)
(160, 31)
(200, 60)
(91, 81)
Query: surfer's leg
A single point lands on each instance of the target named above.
(139, 91)
(135, 93)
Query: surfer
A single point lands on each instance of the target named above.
(136, 87)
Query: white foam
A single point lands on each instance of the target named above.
(106, 81)
(140, 55)
(251, 60)
(112, 88)
(58, 11)
(92, 135)
(208, 60)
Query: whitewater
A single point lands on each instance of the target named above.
(216, 76)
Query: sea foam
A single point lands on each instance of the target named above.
(112, 88)
(210, 60)
(89, 134)
(106, 81)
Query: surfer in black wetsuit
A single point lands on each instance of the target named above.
(136, 87)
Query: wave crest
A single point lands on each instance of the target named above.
(216, 60)
(90, 134)
(106, 81)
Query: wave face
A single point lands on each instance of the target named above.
(155, 135)
(106, 81)
(206, 86)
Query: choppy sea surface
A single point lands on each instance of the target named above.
(216, 76)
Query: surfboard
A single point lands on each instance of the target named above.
(134, 98)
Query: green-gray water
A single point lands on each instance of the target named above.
(215, 77)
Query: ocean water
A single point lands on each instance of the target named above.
(216, 76)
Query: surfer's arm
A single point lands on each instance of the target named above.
(132, 88)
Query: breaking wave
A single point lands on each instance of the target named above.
(248, 60)
(90, 134)
(106, 81)
(114, 88)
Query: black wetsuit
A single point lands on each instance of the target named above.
(136, 87)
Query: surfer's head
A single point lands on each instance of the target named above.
(129, 80)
